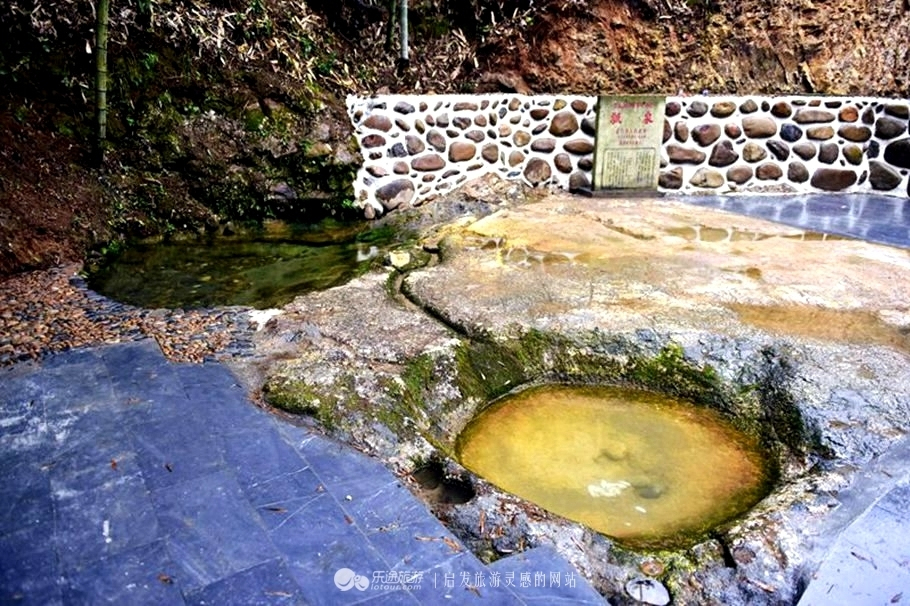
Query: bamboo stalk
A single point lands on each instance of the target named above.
(404, 32)
(390, 30)
(101, 77)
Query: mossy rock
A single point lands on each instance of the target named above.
(299, 397)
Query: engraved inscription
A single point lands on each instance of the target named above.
(628, 141)
(633, 168)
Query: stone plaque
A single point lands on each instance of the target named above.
(629, 136)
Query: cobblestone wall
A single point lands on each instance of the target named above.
(417, 147)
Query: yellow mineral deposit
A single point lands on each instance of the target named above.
(633, 465)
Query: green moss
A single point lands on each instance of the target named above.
(392, 418)
(669, 372)
(236, 197)
(253, 119)
(404, 411)
(280, 122)
(420, 399)
(487, 370)
(298, 397)
(418, 378)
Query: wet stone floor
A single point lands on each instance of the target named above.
(133, 480)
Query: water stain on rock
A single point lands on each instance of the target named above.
(839, 325)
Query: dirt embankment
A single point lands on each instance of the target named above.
(50, 204)
(744, 46)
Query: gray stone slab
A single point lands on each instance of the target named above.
(390, 598)
(212, 531)
(295, 435)
(25, 493)
(83, 387)
(18, 387)
(462, 579)
(855, 575)
(204, 375)
(285, 497)
(869, 562)
(342, 466)
(268, 469)
(153, 402)
(92, 449)
(318, 538)
(19, 397)
(91, 356)
(21, 370)
(28, 567)
(876, 218)
(384, 506)
(175, 450)
(897, 501)
(266, 584)
(419, 544)
(102, 521)
(141, 576)
(137, 359)
(543, 577)
(227, 412)
(225, 409)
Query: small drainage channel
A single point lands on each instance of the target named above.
(640, 467)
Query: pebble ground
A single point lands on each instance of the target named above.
(54, 310)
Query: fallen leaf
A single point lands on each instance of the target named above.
(897, 598)
(455, 547)
(863, 558)
(165, 579)
(114, 464)
(348, 519)
(169, 467)
(762, 586)
(277, 509)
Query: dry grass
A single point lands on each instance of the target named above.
(284, 36)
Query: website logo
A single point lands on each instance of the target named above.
(346, 579)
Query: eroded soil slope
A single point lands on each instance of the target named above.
(743, 46)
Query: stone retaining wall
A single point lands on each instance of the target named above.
(417, 147)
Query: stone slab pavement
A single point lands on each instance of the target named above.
(128, 479)
(867, 554)
(869, 563)
(871, 217)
